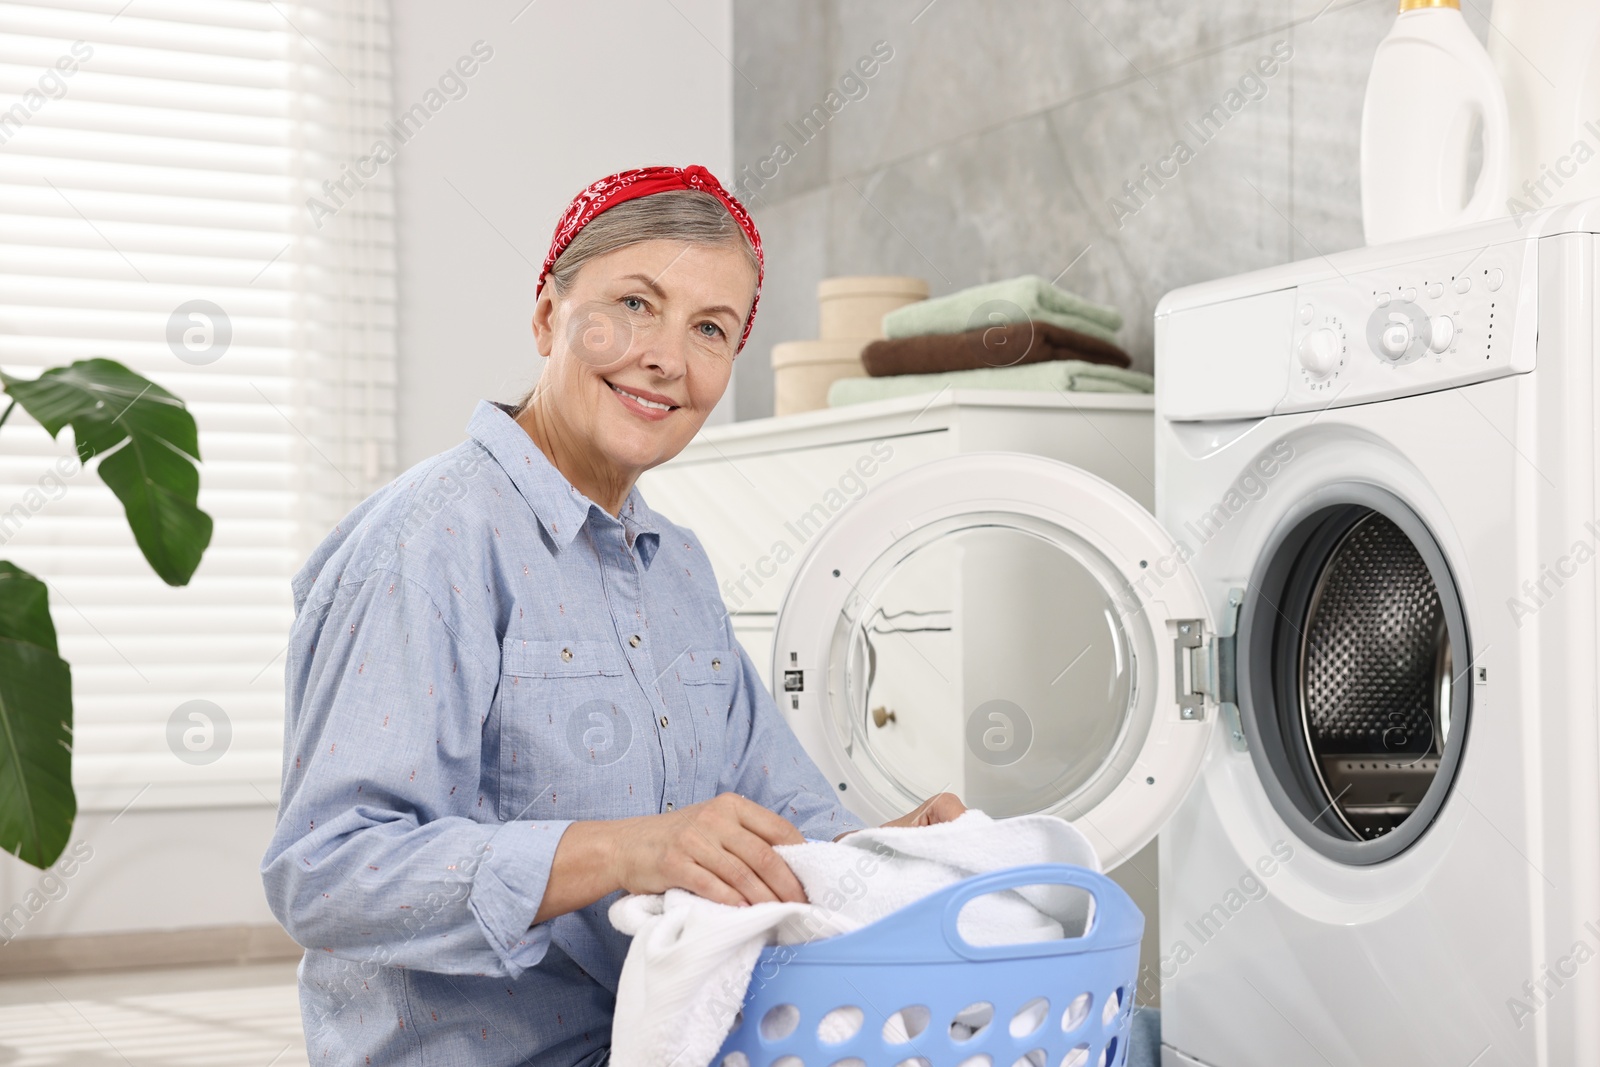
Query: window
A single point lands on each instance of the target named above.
(158, 159)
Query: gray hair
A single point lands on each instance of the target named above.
(678, 215)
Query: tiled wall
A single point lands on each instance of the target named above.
(994, 138)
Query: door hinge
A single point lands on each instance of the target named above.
(1208, 669)
(1225, 669)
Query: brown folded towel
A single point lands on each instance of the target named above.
(989, 346)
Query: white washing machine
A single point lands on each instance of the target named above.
(1349, 674)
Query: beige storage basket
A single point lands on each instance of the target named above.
(855, 307)
(851, 313)
(802, 371)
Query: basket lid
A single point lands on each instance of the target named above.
(873, 285)
(809, 353)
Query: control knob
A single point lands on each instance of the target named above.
(1441, 332)
(1318, 352)
(1395, 339)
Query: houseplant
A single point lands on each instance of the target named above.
(149, 449)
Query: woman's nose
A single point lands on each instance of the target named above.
(666, 352)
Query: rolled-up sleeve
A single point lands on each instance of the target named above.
(387, 849)
(768, 764)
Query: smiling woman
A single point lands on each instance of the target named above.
(643, 315)
(514, 691)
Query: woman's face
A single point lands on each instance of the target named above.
(641, 347)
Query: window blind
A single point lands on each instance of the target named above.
(156, 162)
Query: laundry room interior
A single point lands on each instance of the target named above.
(772, 534)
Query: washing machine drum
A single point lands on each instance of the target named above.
(1352, 636)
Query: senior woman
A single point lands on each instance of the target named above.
(514, 691)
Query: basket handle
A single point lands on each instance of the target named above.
(1115, 921)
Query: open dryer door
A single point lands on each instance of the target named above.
(1009, 628)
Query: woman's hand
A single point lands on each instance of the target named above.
(941, 807)
(720, 849)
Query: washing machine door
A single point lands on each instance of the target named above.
(1008, 628)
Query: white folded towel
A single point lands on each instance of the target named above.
(689, 966)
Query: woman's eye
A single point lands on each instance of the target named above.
(715, 330)
(633, 303)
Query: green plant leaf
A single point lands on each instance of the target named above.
(37, 804)
(149, 449)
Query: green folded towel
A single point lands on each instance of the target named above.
(999, 303)
(1061, 375)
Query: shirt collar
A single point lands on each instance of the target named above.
(558, 505)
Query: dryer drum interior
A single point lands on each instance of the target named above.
(1355, 641)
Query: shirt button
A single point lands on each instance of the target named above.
(671, 806)
(716, 664)
(566, 655)
(634, 640)
(663, 722)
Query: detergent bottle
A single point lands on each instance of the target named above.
(1432, 88)
(1548, 56)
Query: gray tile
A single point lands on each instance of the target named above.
(793, 233)
(1031, 195)
(781, 50)
(1333, 57)
(990, 206)
(964, 66)
(1187, 177)
(905, 219)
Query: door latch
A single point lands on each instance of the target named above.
(1189, 669)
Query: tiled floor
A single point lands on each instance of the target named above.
(197, 1017)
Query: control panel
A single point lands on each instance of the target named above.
(1413, 328)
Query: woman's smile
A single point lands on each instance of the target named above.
(643, 403)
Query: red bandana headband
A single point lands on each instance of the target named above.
(628, 185)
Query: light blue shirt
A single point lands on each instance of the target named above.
(480, 656)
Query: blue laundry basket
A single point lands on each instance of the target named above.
(910, 990)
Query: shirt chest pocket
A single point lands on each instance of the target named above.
(569, 747)
(703, 696)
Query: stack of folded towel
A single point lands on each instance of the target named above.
(1023, 333)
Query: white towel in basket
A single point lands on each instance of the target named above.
(690, 962)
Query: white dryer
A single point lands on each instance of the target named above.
(1348, 669)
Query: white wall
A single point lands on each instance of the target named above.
(143, 870)
(570, 93)
(573, 92)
